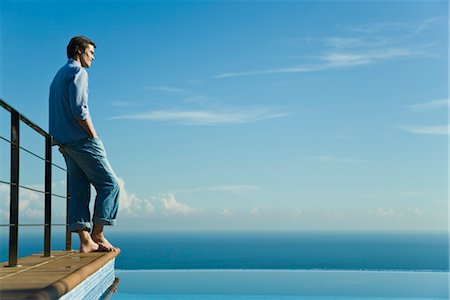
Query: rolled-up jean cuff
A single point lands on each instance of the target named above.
(102, 221)
(79, 226)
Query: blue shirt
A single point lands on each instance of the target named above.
(68, 103)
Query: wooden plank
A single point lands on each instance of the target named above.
(49, 277)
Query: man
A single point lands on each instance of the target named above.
(83, 151)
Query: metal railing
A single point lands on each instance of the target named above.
(14, 184)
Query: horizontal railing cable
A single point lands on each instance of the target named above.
(41, 192)
(31, 189)
(37, 156)
(5, 139)
(6, 182)
(34, 190)
(32, 153)
(61, 168)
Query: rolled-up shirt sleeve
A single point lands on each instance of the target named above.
(78, 95)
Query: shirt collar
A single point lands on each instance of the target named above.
(73, 61)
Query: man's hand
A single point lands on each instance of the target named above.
(88, 127)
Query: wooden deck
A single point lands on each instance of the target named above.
(41, 277)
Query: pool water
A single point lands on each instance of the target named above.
(280, 284)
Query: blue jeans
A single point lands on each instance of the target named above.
(87, 164)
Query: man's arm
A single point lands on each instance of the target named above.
(88, 127)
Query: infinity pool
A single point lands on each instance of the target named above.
(280, 284)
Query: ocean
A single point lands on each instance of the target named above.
(273, 264)
(313, 250)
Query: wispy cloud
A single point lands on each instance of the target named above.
(409, 29)
(386, 213)
(122, 103)
(333, 159)
(226, 212)
(369, 44)
(341, 42)
(433, 130)
(298, 212)
(348, 59)
(396, 213)
(332, 60)
(293, 69)
(230, 188)
(428, 106)
(168, 89)
(415, 211)
(254, 211)
(206, 117)
(431, 105)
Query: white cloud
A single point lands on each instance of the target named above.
(352, 42)
(226, 212)
(373, 47)
(343, 137)
(372, 196)
(412, 194)
(332, 60)
(122, 103)
(392, 213)
(131, 205)
(196, 99)
(433, 130)
(406, 29)
(292, 69)
(298, 212)
(31, 204)
(172, 207)
(377, 27)
(168, 89)
(234, 188)
(333, 159)
(385, 212)
(415, 211)
(324, 158)
(231, 188)
(254, 211)
(347, 59)
(431, 105)
(344, 42)
(165, 204)
(205, 117)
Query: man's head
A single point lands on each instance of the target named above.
(81, 49)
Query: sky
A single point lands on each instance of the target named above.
(246, 115)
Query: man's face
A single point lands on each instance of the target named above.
(87, 56)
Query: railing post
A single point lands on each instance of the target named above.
(14, 189)
(48, 195)
(68, 233)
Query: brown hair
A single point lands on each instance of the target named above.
(78, 43)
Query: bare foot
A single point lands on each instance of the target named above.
(100, 239)
(89, 247)
(86, 243)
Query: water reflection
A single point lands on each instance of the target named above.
(111, 290)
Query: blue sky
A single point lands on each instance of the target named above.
(246, 114)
